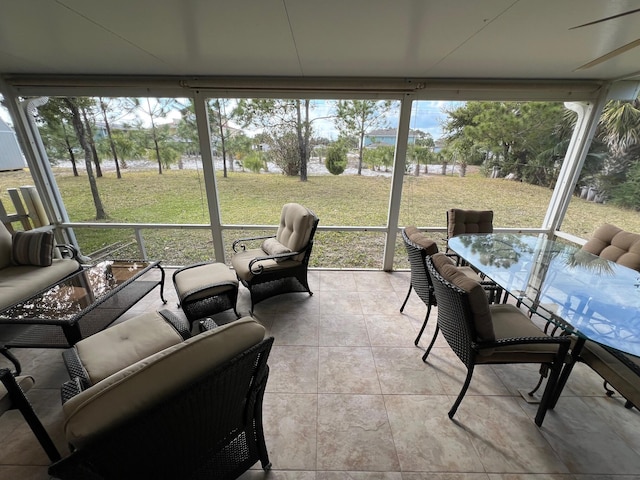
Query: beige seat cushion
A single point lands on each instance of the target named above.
(124, 344)
(204, 281)
(129, 391)
(616, 245)
(509, 322)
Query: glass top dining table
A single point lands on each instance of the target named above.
(582, 293)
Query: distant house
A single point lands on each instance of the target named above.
(11, 157)
(387, 136)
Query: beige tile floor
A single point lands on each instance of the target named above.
(349, 398)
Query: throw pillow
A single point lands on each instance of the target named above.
(32, 248)
(271, 246)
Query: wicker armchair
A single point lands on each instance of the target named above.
(480, 333)
(190, 411)
(279, 265)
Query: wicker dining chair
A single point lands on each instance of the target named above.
(419, 247)
(461, 221)
(480, 333)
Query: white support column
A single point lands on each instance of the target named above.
(37, 159)
(208, 168)
(395, 196)
(588, 118)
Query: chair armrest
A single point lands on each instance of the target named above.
(241, 242)
(67, 251)
(563, 341)
(70, 389)
(259, 268)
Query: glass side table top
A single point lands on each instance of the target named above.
(70, 298)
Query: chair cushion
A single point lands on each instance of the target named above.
(610, 368)
(616, 245)
(478, 302)
(294, 230)
(140, 386)
(469, 221)
(271, 246)
(32, 247)
(124, 344)
(420, 239)
(510, 322)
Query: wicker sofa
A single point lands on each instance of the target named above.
(29, 263)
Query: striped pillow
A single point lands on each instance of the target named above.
(32, 248)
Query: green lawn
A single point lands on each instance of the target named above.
(178, 196)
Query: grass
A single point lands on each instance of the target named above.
(178, 196)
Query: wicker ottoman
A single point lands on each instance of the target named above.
(206, 289)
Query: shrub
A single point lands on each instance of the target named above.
(336, 160)
(253, 162)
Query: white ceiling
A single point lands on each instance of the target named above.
(466, 39)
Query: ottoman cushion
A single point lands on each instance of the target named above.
(204, 281)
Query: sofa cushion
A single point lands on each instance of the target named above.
(5, 246)
(616, 245)
(19, 282)
(127, 392)
(124, 344)
(478, 302)
(32, 247)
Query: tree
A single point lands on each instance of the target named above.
(54, 124)
(88, 155)
(358, 117)
(158, 109)
(508, 134)
(619, 130)
(281, 119)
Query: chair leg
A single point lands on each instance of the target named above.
(406, 298)
(548, 397)
(424, 324)
(467, 381)
(433, 340)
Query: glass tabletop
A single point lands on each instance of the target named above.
(68, 299)
(581, 292)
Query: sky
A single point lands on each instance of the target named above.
(426, 116)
